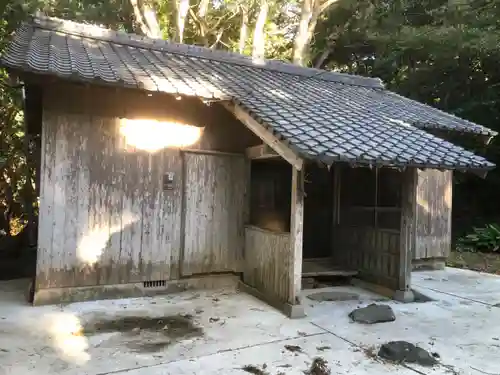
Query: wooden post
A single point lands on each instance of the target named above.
(407, 235)
(296, 232)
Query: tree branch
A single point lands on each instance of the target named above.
(326, 5)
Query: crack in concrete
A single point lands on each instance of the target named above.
(214, 353)
(456, 296)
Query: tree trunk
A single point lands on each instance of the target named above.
(145, 15)
(259, 35)
(151, 19)
(202, 12)
(309, 15)
(182, 11)
(243, 29)
(301, 37)
(323, 56)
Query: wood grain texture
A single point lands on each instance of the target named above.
(434, 205)
(267, 262)
(105, 218)
(372, 252)
(104, 215)
(296, 235)
(215, 213)
(408, 228)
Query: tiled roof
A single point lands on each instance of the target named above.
(321, 115)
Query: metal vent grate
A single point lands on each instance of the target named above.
(154, 283)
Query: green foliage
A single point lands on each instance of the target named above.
(484, 239)
(17, 185)
(440, 52)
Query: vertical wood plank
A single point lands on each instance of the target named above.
(101, 174)
(267, 262)
(72, 134)
(215, 198)
(115, 261)
(45, 215)
(296, 234)
(135, 163)
(148, 211)
(156, 206)
(408, 228)
(58, 255)
(81, 269)
(434, 208)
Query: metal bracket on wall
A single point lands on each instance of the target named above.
(168, 181)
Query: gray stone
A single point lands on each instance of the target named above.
(333, 296)
(402, 351)
(372, 314)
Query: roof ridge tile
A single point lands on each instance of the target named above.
(87, 30)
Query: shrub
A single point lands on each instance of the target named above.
(484, 239)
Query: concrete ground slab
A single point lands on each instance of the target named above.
(462, 332)
(476, 286)
(43, 338)
(238, 330)
(274, 358)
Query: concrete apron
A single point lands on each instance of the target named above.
(239, 330)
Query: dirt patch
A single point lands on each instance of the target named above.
(482, 262)
(293, 348)
(370, 352)
(252, 369)
(333, 296)
(323, 348)
(147, 334)
(318, 367)
(317, 282)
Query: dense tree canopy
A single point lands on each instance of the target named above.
(442, 52)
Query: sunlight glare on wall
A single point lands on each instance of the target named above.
(152, 135)
(91, 247)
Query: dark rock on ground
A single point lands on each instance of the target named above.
(402, 351)
(372, 314)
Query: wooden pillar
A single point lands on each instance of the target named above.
(407, 235)
(296, 234)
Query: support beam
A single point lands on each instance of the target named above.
(260, 152)
(259, 130)
(296, 234)
(408, 236)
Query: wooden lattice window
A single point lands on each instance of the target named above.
(371, 197)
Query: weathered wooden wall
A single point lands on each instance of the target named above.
(372, 252)
(434, 204)
(267, 262)
(105, 217)
(379, 255)
(216, 211)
